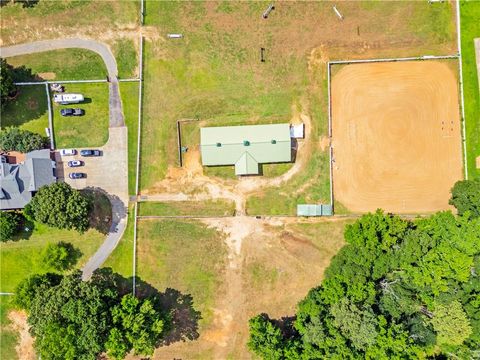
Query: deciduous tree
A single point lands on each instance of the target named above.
(59, 205)
(466, 197)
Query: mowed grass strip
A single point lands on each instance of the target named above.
(29, 111)
(470, 29)
(127, 58)
(90, 130)
(22, 258)
(129, 94)
(184, 255)
(121, 259)
(187, 208)
(65, 64)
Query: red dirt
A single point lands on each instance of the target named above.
(396, 136)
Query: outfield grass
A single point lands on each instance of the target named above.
(121, 259)
(29, 110)
(187, 208)
(470, 29)
(66, 64)
(8, 337)
(129, 94)
(90, 130)
(184, 255)
(22, 258)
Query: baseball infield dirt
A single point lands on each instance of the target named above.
(395, 136)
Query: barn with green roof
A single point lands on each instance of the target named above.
(245, 147)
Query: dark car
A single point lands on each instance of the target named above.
(72, 112)
(77, 175)
(90, 153)
(75, 163)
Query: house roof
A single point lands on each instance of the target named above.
(245, 146)
(18, 181)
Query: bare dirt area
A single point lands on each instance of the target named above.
(24, 348)
(396, 136)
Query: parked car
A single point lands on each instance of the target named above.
(72, 112)
(68, 152)
(90, 152)
(77, 175)
(65, 99)
(75, 163)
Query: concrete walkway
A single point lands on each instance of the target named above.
(112, 174)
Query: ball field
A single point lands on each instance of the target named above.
(396, 136)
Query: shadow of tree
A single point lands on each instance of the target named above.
(74, 254)
(184, 317)
(101, 213)
(25, 228)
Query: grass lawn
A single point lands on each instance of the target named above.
(184, 255)
(127, 58)
(129, 94)
(121, 259)
(29, 110)
(470, 29)
(55, 19)
(214, 73)
(22, 258)
(187, 208)
(66, 64)
(8, 337)
(90, 130)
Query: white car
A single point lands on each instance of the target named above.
(68, 152)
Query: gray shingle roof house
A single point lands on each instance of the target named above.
(19, 182)
(246, 146)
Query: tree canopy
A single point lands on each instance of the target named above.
(466, 197)
(59, 205)
(9, 223)
(75, 319)
(59, 256)
(6, 82)
(398, 290)
(15, 139)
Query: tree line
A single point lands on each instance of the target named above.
(399, 289)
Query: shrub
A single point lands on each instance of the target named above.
(15, 139)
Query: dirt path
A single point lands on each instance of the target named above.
(24, 348)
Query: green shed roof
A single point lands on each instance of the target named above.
(245, 146)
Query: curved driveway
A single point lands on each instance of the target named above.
(116, 115)
(116, 144)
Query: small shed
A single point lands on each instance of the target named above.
(297, 131)
(314, 210)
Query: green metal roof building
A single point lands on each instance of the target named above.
(245, 146)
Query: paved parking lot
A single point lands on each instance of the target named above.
(106, 172)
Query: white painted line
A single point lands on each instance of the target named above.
(413, 58)
(50, 118)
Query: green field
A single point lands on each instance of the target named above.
(22, 257)
(66, 64)
(184, 255)
(129, 94)
(127, 58)
(187, 208)
(29, 110)
(66, 18)
(470, 29)
(90, 130)
(215, 74)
